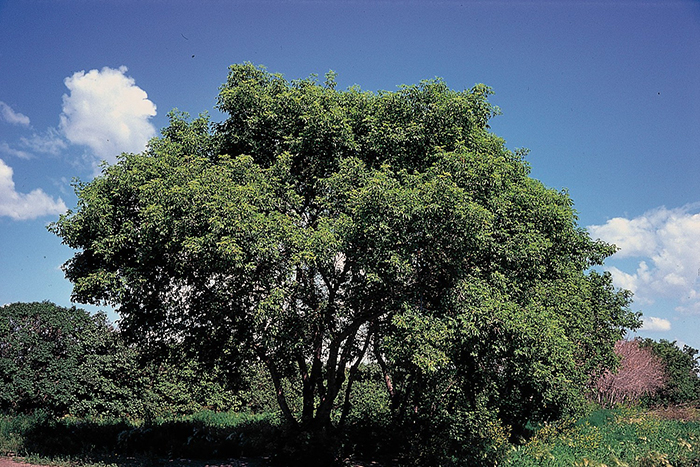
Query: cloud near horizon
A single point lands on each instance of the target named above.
(20, 206)
(666, 244)
(106, 112)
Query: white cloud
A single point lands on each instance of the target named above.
(50, 142)
(692, 306)
(107, 112)
(667, 244)
(6, 149)
(633, 237)
(10, 116)
(652, 323)
(21, 206)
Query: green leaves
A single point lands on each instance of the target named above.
(682, 371)
(316, 226)
(49, 355)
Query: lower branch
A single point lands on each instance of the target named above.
(352, 374)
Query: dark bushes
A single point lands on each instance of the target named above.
(191, 437)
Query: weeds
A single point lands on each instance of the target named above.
(620, 437)
(71, 441)
(624, 437)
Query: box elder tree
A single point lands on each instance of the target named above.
(316, 228)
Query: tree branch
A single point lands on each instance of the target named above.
(352, 375)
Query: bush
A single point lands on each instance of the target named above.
(641, 373)
(682, 370)
(67, 361)
(63, 360)
(201, 435)
(367, 430)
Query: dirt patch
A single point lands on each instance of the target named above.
(5, 462)
(151, 462)
(681, 413)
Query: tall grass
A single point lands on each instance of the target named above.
(619, 437)
(211, 418)
(204, 434)
(12, 430)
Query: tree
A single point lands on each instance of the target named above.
(640, 373)
(682, 369)
(61, 360)
(315, 228)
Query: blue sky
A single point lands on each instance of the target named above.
(606, 95)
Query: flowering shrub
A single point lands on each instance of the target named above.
(640, 373)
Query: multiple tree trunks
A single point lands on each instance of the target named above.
(315, 228)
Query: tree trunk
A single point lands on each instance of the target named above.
(279, 391)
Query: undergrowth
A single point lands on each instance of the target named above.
(96, 441)
(613, 437)
(605, 437)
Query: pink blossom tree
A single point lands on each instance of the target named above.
(640, 373)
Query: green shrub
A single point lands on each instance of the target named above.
(682, 371)
(65, 360)
(367, 429)
(200, 435)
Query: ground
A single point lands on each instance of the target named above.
(131, 462)
(9, 462)
(682, 413)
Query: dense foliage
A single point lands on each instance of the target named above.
(66, 361)
(315, 229)
(61, 359)
(114, 441)
(682, 368)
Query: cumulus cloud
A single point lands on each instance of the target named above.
(20, 206)
(634, 237)
(652, 323)
(666, 243)
(106, 112)
(10, 116)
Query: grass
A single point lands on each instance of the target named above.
(620, 437)
(13, 430)
(103, 442)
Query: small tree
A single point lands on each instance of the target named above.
(640, 373)
(65, 360)
(682, 370)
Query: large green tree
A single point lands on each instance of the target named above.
(315, 228)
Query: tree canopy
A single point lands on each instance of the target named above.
(316, 228)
